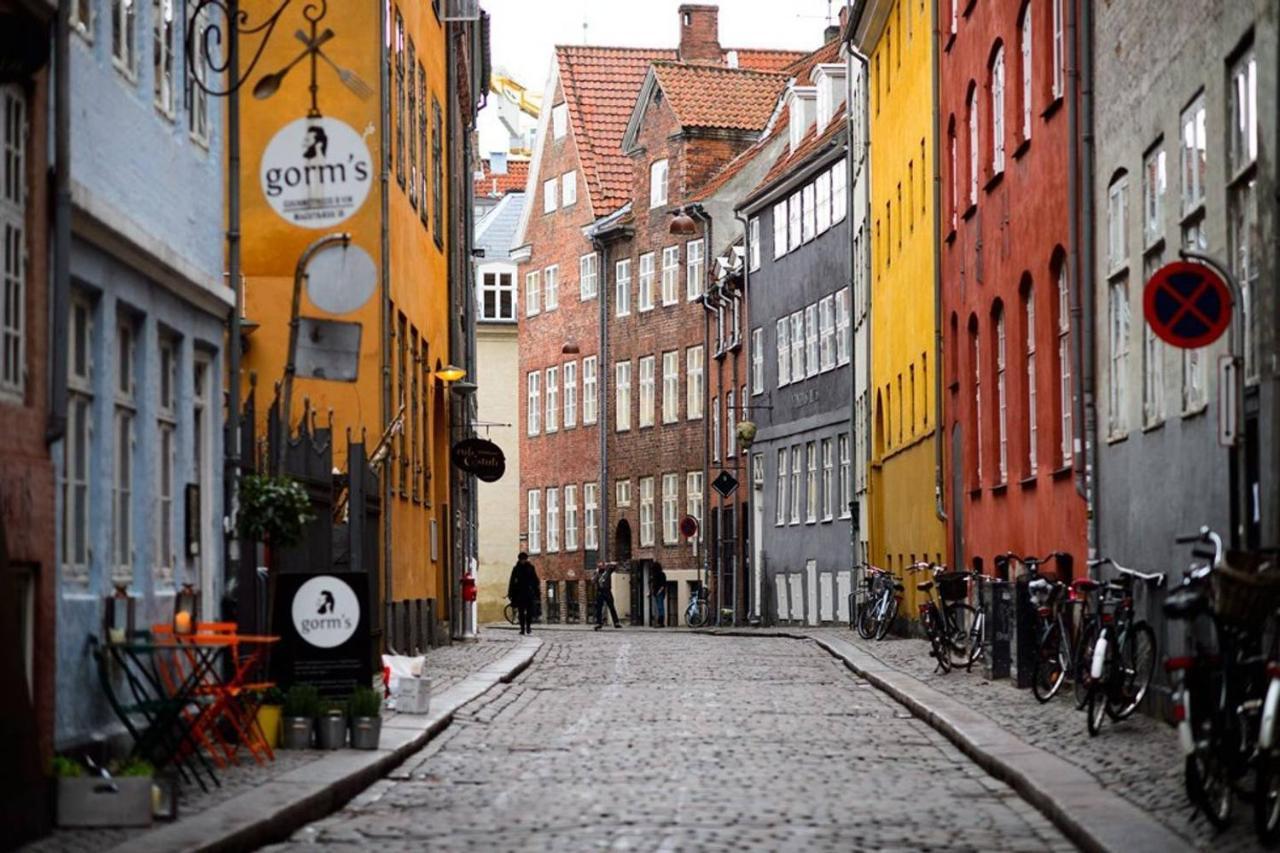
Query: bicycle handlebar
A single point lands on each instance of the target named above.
(1204, 536)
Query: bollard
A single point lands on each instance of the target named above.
(999, 635)
(1025, 631)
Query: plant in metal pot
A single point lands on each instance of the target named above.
(301, 705)
(366, 720)
(331, 726)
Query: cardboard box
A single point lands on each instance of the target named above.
(413, 695)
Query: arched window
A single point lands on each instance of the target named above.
(996, 71)
(973, 143)
(953, 173)
(1025, 69)
(975, 368)
(1062, 323)
(1029, 358)
(879, 430)
(1002, 399)
(1059, 52)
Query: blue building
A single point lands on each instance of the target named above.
(140, 469)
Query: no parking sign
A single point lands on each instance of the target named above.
(1187, 305)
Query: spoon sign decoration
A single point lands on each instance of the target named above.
(270, 83)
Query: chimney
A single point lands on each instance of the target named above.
(699, 34)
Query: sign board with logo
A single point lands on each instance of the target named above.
(316, 172)
(323, 623)
(480, 457)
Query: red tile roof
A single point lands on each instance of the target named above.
(768, 60)
(813, 140)
(499, 185)
(715, 96)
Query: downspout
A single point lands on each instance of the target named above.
(939, 432)
(384, 180)
(743, 405)
(56, 424)
(602, 500)
(698, 212)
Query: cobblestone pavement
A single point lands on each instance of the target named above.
(1138, 759)
(662, 741)
(445, 666)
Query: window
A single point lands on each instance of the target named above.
(670, 509)
(1065, 394)
(646, 512)
(997, 112)
(437, 174)
(551, 287)
(1242, 129)
(422, 142)
(1117, 225)
(1194, 155)
(162, 54)
(589, 390)
(1242, 203)
(955, 16)
(828, 481)
(13, 216)
(784, 351)
(797, 472)
(811, 483)
(622, 493)
(693, 396)
(414, 127)
(693, 499)
(780, 501)
(401, 109)
(646, 282)
(553, 520)
(757, 362)
(1117, 419)
(559, 120)
(76, 449)
(124, 27)
(533, 526)
(827, 332)
(123, 463)
(590, 516)
(977, 404)
(82, 17)
(1029, 357)
(846, 474)
(953, 173)
(1024, 53)
(839, 178)
(1059, 51)
(844, 344)
(807, 217)
(166, 556)
(753, 232)
(571, 518)
(657, 183)
(197, 99)
(1153, 186)
(696, 274)
(779, 229)
(670, 386)
(822, 194)
(797, 346)
(670, 274)
(731, 425)
(497, 296)
(549, 195)
(715, 429)
(553, 402)
(588, 285)
(622, 287)
(532, 293)
(568, 189)
(794, 216)
(1002, 403)
(647, 390)
(622, 398)
(973, 144)
(811, 340)
(533, 411)
(570, 371)
(1152, 367)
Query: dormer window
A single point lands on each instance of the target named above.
(801, 107)
(829, 80)
(658, 183)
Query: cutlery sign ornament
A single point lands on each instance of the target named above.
(316, 172)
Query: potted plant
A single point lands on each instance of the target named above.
(270, 709)
(331, 726)
(274, 509)
(301, 705)
(103, 799)
(366, 719)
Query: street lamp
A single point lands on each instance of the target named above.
(682, 224)
(450, 373)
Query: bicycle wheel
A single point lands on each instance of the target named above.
(886, 619)
(977, 640)
(512, 615)
(937, 639)
(1266, 800)
(1051, 667)
(1081, 661)
(960, 621)
(1134, 667)
(867, 622)
(1208, 787)
(696, 615)
(1095, 709)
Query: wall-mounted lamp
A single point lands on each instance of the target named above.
(682, 224)
(570, 348)
(450, 373)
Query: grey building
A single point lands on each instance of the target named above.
(801, 345)
(1185, 128)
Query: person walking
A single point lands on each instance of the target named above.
(658, 589)
(604, 595)
(522, 590)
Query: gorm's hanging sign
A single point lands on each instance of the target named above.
(480, 457)
(316, 172)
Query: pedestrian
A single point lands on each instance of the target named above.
(658, 589)
(522, 590)
(604, 595)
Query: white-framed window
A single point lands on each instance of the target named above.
(1059, 50)
(757, 361)
(715, 429)
(977, 406)
(670, 386)
(646, 512)
(622, 493)
(646, 282)
(797, 483)
(560, 120)
(694, 360)
(532, 293)
(1194, 155)
(647, 390)
(568, 189)
(551, 288)
(588, 278)
(670, 509)
(827, 332)
(1065, 393)
(1242, 127)
(1002, 399)
(719, 327)
(753, 237)
(844, 344)
(1152, 376)
(1242, 202)
(1117, 224)
(997, 112)
(533, 524)
(622, 396)
(82, 18)
(13, 217)
(808, 213)
(779, 229)
(953, 173)
(590, 390)
(197, 99)
(622, 287)
(693, 500)
(670, 275)
(783, 335)
(1118, 390)
(811, 339)
(846, 474)
(828, 481)
(552, 419)
(125, 443)
(1029, 356)
(549, 195)
(533, 411)
(497, 296)
(166, 556)
(839, 177)
(657, 183)
(780, 498)
(696, 274)
(973, 145)
(731, 424)
(822, 201)
(1025, 52)
(553, 519)
(571, 518)
(162, 19)
(590, 516)
(570, 371)
(1153, 187)
(795, 215)
(797, 346)
(77, 549)
(124, 29)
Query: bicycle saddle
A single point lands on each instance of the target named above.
(1185, 603)
(925, 586)
(1084, 585)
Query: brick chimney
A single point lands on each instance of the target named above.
(700, 34)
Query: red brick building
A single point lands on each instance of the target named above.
(1010, 355)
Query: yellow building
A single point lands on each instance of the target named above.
(315, 143)
(896, 36)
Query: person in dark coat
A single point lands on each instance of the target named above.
(523, 590)
(658, 589)
(604, 595)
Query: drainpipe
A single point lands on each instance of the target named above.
(602, 386)
(56, 424)
(939, 433)
(384, 180)
(743, 405)
(698, 212)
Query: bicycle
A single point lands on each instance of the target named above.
(511, 613)
(1053, 658)
(698, 612)
(876, 616)
(946, 616)
(1124, 656)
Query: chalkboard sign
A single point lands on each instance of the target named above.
(323, 623)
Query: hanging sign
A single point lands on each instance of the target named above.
(725, 484)
(316, 172)
(1187, 305)
(480, 457)
(688, 527)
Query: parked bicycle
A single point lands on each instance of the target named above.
(884, 595)
(1124, 656)
(698, 613)
(976, 646)
(945, 615)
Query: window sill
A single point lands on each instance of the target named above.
(1117, 438)
(993, 181)
(951, 235)
(1028, 482)
(953, 385)
(969, 211)
(1024, 145)
(1195, 410)
(975, 492)
(1192, 215)
(999, 488)
(1053, 107)
(1156, 245)
(951, 39)
(1153, 426)
(1063, 472)
(1118, 273)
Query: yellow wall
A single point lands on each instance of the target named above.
(418, 286)
(901, 216)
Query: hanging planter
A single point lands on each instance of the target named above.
(746, 432)
(274, 509)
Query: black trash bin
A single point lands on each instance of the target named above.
(999, 610)
(1025, 630)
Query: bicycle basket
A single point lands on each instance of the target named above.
(952, 586)
(1247, 589)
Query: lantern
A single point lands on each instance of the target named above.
(117, 615)
(186, 610)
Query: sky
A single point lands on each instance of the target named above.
(523, 33)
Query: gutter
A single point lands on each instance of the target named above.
(939, 431)
(384, 179)
(56, 422)
(698, 212)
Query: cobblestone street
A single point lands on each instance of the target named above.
(648, 741)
